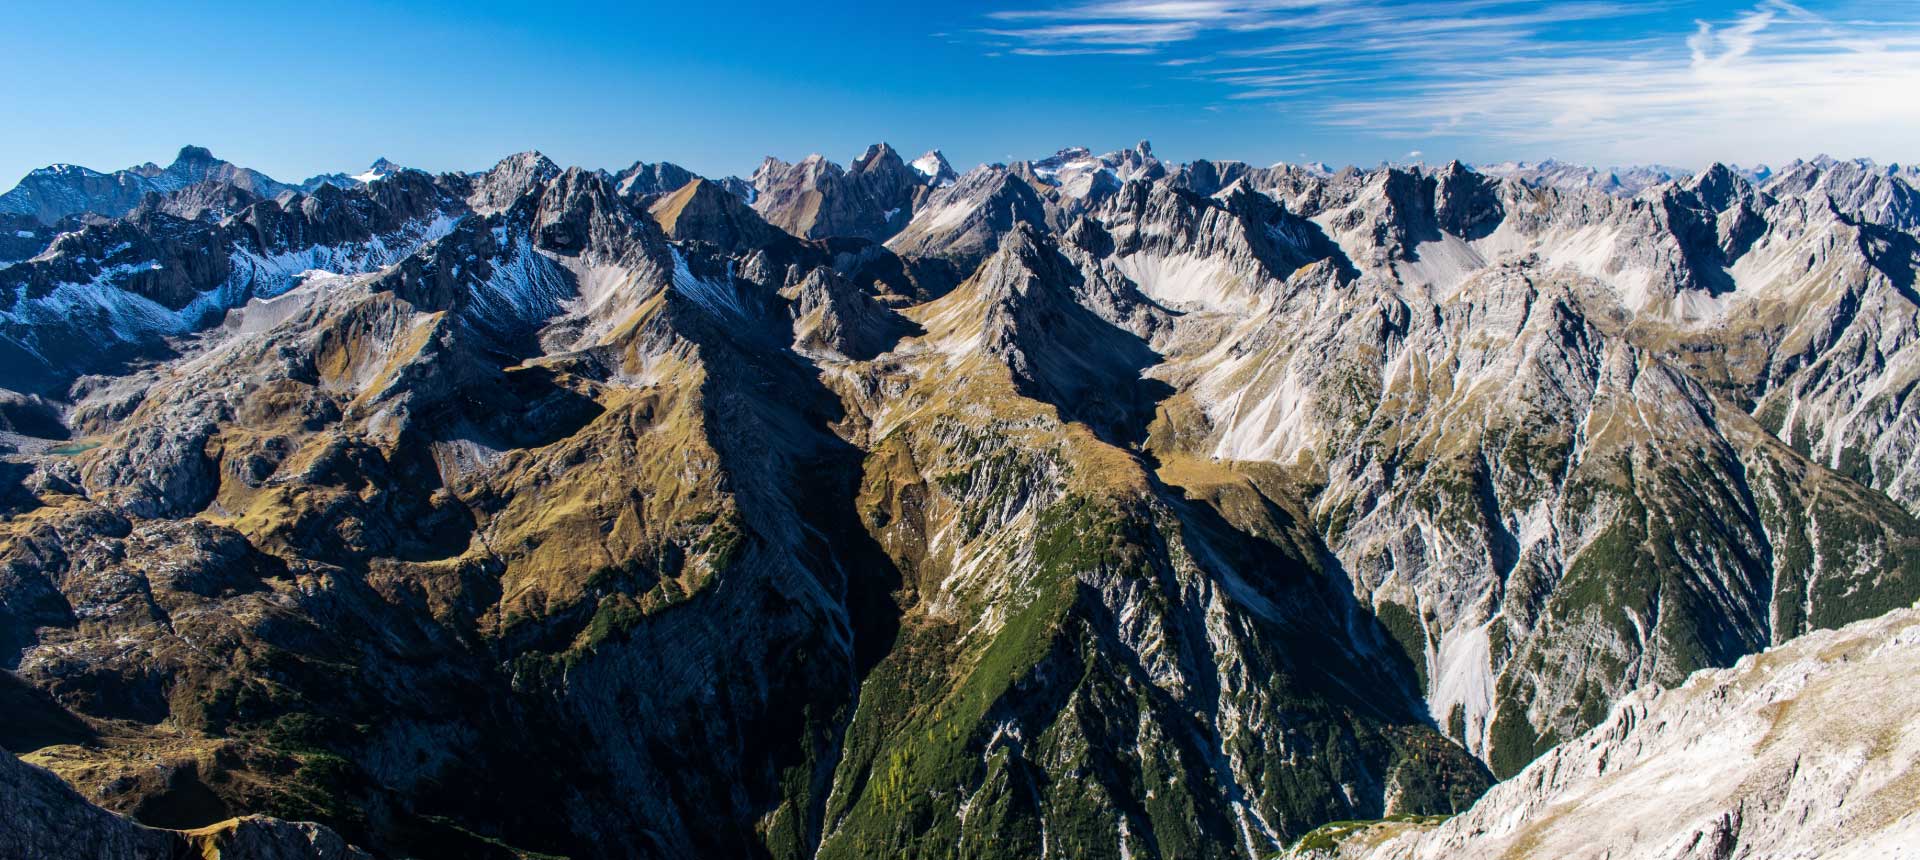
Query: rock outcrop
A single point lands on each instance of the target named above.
(703, 211)
(43, 819)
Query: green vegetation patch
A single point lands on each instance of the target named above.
(1408, 633)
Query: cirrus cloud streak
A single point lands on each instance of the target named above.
(1583, 79)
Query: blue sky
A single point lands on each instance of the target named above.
(300, 88)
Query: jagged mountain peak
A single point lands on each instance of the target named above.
(817, 165)
(1718, 185)
(701, 188)
(1228, 250)
(194, 155)
(933, 165)
(642, 179)
(532, 161)
(512, 179)
(832, 314)
(1026, 311)
(1026, 244)
(955, 228)
(1079, 175)
(817, 198)
(1240, 196)
(211, 198)
(1064, 155)
(381, 168)
(1858, 188)
(1024, 282)
(1466, 203)
(702, 210)
(1624, 181)
(768, 164)
(878, 156)
(68, 170)
(1208, 177)
(1023, 271)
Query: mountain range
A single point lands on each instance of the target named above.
(1086, 506)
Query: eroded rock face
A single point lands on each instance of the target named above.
(1104, 509)
(1804, 750)
(643, 180)
(832, 313)
(959, 226)
(871, 198)
(703, 211)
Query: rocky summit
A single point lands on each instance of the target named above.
(1091, 506)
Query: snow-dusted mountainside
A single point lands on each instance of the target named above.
(61, 190)
(1804, 750)
(1088, 506)
(55, 191)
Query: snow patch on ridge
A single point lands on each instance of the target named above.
(717, 298)
(123, 315)
(934, 167)
(524, 287)
(261, 314)
(272, 274)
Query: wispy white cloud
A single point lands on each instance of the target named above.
(1116, 51)
(1162, 23)
(1267, 94)
(1104, 33)
(1285, 49)
(1198, 11)
(1776, 80)
(1280, 80)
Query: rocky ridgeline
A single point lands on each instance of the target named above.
(1089, 506)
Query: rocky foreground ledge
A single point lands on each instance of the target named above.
(1809, 749)
(42, 818)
